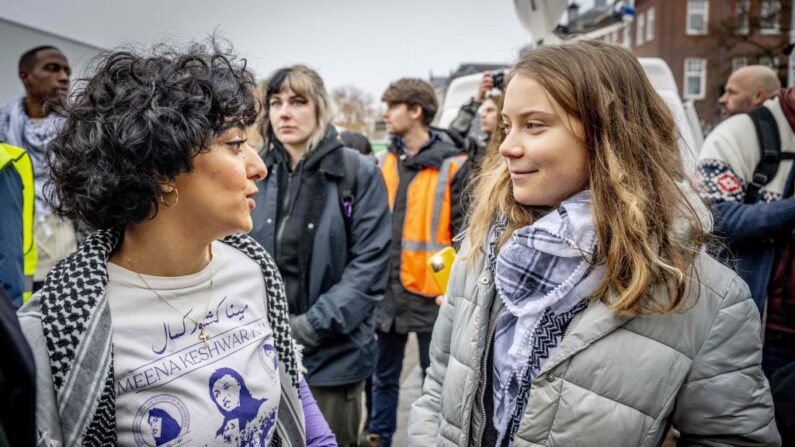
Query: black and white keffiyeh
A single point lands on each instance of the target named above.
(77, 330)
(543, 275)
(17, 129)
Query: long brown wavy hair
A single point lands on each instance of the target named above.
(649, 232)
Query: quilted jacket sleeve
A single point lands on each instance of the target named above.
(426, 411)
(726, 400)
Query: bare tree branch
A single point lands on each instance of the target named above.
(356, 109)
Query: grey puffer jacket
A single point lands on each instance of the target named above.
(614, 381)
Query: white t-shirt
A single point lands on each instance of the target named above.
(173, 390)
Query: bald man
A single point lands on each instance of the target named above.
(748, 87)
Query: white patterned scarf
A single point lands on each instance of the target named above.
(543, 275)
(17, 129)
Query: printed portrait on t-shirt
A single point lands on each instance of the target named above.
(246, 420)
(269, 358)
(163, 420)
(164, 427)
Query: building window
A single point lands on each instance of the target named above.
(742, 19)
(627, 36)
(640, 30)
(769, 17)
(650, 24)
(695, 78)
(697, 17)
(739, 62)
(769, 61)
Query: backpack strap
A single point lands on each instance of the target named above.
(769, 151)
(347, 188)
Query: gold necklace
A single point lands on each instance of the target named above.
(203, 337)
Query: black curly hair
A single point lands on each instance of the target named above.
(137, 123)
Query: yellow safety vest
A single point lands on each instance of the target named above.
(21, 162)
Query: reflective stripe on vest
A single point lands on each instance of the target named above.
(21, 162)
(426, 225)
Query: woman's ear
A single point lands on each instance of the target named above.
(167, 187)
(169, 194)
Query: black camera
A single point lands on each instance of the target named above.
(499, 79)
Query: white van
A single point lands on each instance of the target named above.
(691, 136)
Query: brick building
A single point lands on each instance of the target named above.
(701, 40)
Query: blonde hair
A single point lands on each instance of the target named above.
(634, 174)
(304, 82)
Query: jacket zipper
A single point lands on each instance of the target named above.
(486, 356)
(484, 379)
(286, 205)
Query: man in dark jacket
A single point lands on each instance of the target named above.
(418, 170)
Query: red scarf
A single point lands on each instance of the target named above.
(786, 97)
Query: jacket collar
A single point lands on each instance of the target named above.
(595, 322)
(430, 155)
(326, 158)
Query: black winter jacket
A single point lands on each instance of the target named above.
(333, 285)
(407, 311)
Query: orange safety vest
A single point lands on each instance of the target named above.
(426, 227)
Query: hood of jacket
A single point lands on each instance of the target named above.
(326, 158)
(431, 155)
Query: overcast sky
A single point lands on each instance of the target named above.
(358, 42)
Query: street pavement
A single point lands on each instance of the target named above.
(410, 388)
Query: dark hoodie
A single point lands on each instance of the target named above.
(332, 284)
(292, 248)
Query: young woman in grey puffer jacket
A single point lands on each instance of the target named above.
(582, 310)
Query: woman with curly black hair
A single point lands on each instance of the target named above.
(153, 155)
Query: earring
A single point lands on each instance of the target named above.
(169, 205)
